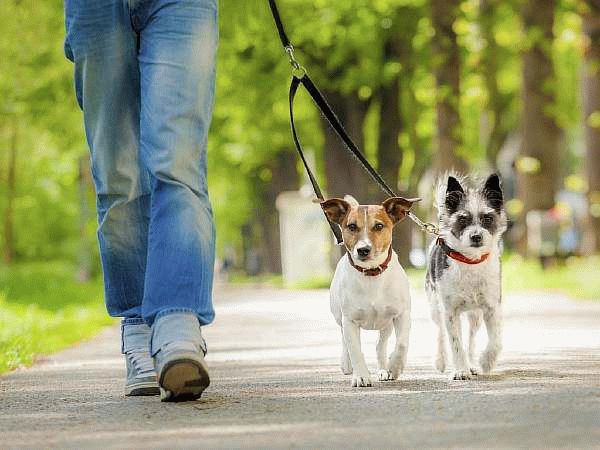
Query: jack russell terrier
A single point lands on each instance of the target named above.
(463, 274)
(369, 289)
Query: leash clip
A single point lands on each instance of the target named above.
(431, 228)
(428, 227)
(297, 69)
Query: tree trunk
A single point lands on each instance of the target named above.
(539, 157)
(284, 177)
(344, 174)
(591, 101)
(446, 61)
(389, 156)
(389, 153)
(498, 103)
(11, 191)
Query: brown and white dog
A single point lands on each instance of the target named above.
(369, 289)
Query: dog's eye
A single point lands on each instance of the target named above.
(463, 221)
(378, 227)
(487, 220)
(352, 227)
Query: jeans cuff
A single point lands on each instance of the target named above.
(167, 311)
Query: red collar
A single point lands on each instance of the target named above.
(459, 256)
(375, 270)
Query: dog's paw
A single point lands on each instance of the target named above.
(395, 365)
(462, 375)
(488, 360)
(474, 371)
(384, 375)
(361, 381)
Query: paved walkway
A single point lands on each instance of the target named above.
(276, 383)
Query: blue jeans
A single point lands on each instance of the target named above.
(144, 78)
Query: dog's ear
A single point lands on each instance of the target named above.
(492, 191)
(454, 194)
(397, 207)
(336, 209)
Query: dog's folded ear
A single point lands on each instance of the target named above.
(397, 207)
(493, 192)
(336, 209)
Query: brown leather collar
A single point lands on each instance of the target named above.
(373, 272)
(457, 256)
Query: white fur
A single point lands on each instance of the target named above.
(475, 290)
(351, 201)
(373, 303)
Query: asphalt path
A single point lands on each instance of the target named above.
(276, 383)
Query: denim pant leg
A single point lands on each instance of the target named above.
(177, 68)
(101, 43)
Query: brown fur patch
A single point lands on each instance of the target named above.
(375, 214)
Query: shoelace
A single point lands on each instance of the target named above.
(142, 362)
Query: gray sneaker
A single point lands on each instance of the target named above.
(141, 376)
(178, 351)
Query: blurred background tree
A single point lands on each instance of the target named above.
(421, 85)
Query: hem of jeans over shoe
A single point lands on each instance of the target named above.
(179, 310)
(124, 323)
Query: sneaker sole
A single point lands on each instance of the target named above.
(142, 389)
(183, 380)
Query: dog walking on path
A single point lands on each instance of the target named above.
(370, 288)
(463, 274)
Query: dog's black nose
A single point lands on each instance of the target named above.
(476, 238)
(363, 252)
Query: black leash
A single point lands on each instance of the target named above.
(300, 77)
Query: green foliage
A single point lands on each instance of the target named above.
(342, 44)
(42, 310)
(37, 102)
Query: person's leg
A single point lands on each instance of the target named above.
(101, 43)
(177, 67)
(177, 70)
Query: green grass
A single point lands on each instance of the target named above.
(268, 279)
(43, 310)
(576, 277)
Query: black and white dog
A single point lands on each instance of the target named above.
(463, 273)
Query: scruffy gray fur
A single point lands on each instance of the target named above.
(471, 221)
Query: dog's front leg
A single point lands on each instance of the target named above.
(346, 365)
(454, 329)
(398, 356)
(360, 372)
(474, 325)
(493, 323)
(382, 366)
